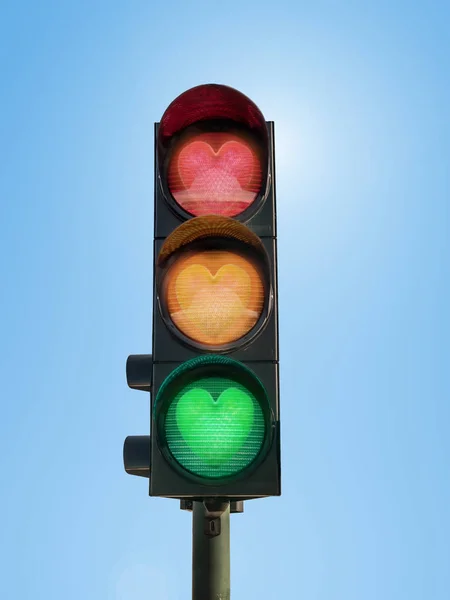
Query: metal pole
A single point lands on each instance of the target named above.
(211, 550)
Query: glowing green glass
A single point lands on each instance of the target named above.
(214, 427)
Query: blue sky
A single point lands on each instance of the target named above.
(359, 93)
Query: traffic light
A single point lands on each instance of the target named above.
(213, 372)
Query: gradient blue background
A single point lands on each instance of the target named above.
(360, 96)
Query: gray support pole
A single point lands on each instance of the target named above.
(211, 551)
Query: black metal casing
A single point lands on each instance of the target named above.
(260, 354)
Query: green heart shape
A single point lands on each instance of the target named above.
(215, 430)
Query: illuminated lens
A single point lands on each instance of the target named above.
(215, 173)
(214, 427)
(214, 297)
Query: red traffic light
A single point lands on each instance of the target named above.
(213, 152)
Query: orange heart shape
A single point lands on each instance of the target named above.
(216, 302)
(197, 279)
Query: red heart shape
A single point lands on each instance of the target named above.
(198, 161)
(216, 174)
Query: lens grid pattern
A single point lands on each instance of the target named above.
(214, 427)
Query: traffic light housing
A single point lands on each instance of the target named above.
(215, 426)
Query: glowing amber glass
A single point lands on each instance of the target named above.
(214, 297)
(215, 173)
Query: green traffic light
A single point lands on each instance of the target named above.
(214, 427)
(214, 421)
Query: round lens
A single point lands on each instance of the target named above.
(215, 173)
(214, 424)
(214, 297)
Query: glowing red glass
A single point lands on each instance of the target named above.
(215, 173)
